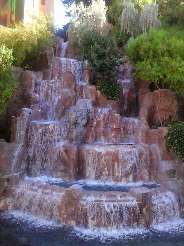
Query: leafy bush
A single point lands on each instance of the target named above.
(135, 21)
(109, 88)
(114, 12)
(175, 139)
(130, 18)
(90, 37)
(7, 88)
(102, 54)
(159, 58)
(115, 9)
(120, 36)
(86, 20)
(172, 12)
(149, 17)
(133, 16)
(7, 84)
(6, 58)
(27, 40)
(20, 46)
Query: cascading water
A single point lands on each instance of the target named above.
(165, 207)
(115, 163)
(38, 200)
(125, 80)
(67, 134)
(64, 47)
(111, 211)
(49, 94)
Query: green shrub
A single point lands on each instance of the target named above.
(121, 38)
(26, 40)
(109, 88)
(7, 88)
(6, 58)
(90, 37)
(133, 16)
(86, 20)
(7, 84)
(114, 12)
(20, 46)
(115, 9)
(102, 54)
(175, 139)
(172, 12)
(159, 59)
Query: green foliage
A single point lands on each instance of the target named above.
(6, 58)
(114, 12)
(27, 40)
(102, 54)
(136, 20)
(109, 88)
(130, 18)
(7, 84)
(172, 12)
(7, 88)
(87, 19)
(175, 139)
(149, 17)
(90, 37)
(159, 58)
(20, 46)
(120, 36)
(115, 9)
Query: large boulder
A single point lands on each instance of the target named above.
(158, 108)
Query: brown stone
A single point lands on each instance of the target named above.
(66, 163)
(143, 198)
(115, 162)
(71, 211)
(158, 107)
(87, 75)
(67, 98)
(88, 92)
(155, 159)
(158, 136)
(101, 99)
(68, 80)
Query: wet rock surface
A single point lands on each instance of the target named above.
(158, 108)
(88, 166)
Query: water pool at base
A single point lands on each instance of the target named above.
(17, 233)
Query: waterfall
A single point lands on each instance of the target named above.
(128, 95)
(49, 93)
(64, 47)
(38, 200)
(22, 123)
(111, 211)
(164, 208)
(113, 163)
(79, 140)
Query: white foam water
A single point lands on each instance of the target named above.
(31, 221)
(44, 179)
(103, 235)
(171, 226)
